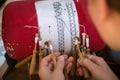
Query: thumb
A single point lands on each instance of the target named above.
(88, 64)
(60, 63)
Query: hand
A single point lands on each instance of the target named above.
(98, 68)
(45, 67)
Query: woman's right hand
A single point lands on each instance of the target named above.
(98, 68)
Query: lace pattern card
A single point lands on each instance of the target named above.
(58, 22)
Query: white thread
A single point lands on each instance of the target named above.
(46, 47)
(87, 42)
(51, 48)
(76, 42)
(40, 43)
(36, 39)
(83, 36)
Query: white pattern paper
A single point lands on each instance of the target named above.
(58, 22)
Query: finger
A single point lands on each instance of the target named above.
(45, 61)
(48, 58)
(69, 64)
(44, 65)
(68, 67)
(65, 56)
(96, 59)
(50, 65)
(80, 71)
(57, 54)
(69, 60)
(88, 64)
(60, 63)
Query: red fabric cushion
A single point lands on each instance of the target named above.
(16, 15)
(19, 41)
(96, 42)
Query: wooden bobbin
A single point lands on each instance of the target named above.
(40, 49)
(80, 55)
(87, 45)
(24, 61)
(52, 54)
(73, 69)
(33, 61)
